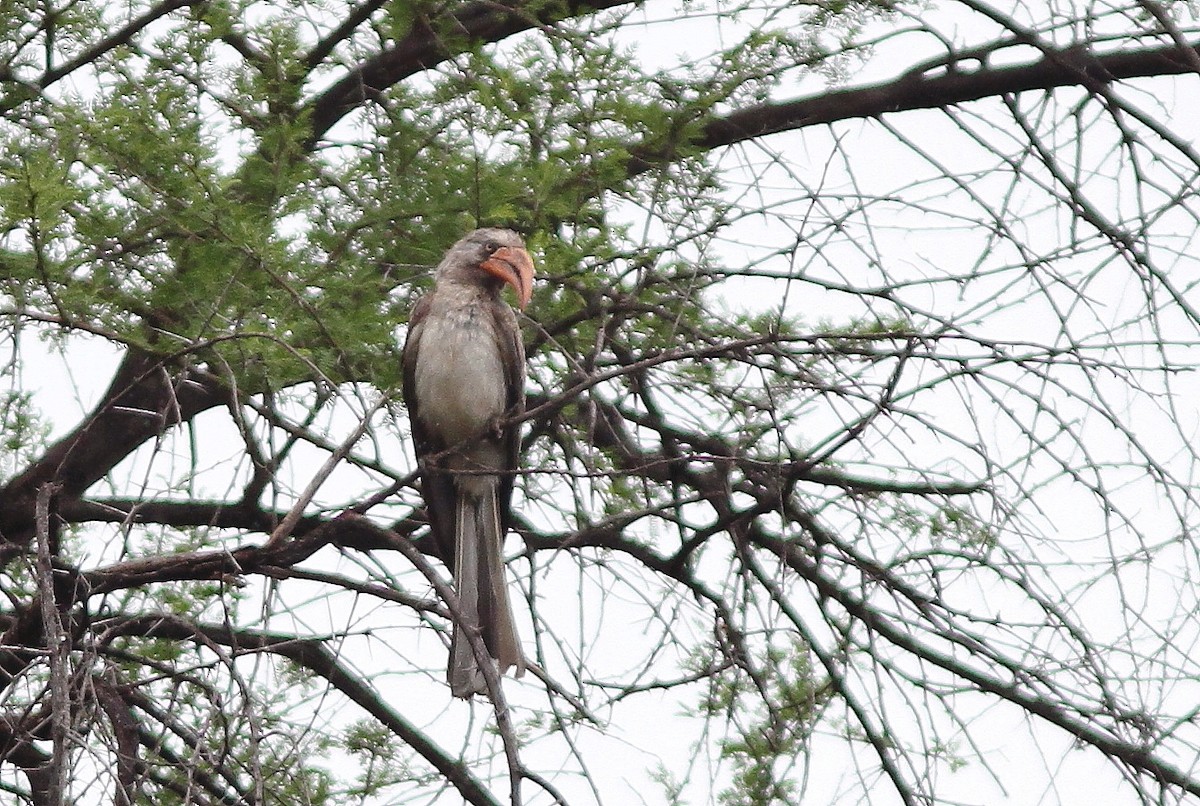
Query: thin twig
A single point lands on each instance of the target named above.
(491, 675)
(58, 649)
(297, 511)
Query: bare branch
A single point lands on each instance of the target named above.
(312, 654)
(1066, 67)
(58, 648)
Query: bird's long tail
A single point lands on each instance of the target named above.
(482, 593)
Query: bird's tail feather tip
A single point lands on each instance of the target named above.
(465, 677)
(482, 595)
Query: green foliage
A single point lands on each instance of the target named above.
(22, 428)
(381, 759)
(296, 258)
(946, 525)
(671, 785)
(771, 713)
(290, 779)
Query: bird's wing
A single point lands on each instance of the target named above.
(436, 488)
(512, 357)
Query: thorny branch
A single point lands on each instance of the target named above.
(724, 492)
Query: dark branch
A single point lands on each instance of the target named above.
(1068, 67)
(433, 40)
(320, 52)
(312, 654)
(121, 36)
(1010, 687)
(353, 532)
(143, 401)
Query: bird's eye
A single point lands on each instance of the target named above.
(491, 246)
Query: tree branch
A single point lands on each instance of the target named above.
(122, 36)
(434, 40)
(354, 18)
(142, 401)
(1009, 688)
(352, 532)
(312, 654)
(1066, 67)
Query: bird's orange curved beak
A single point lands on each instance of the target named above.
(514, 266)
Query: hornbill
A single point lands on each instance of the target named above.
(464, 373)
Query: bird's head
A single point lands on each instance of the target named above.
(498, 253)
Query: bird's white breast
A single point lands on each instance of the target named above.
(459, 366)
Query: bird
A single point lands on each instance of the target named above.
(463, 376)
